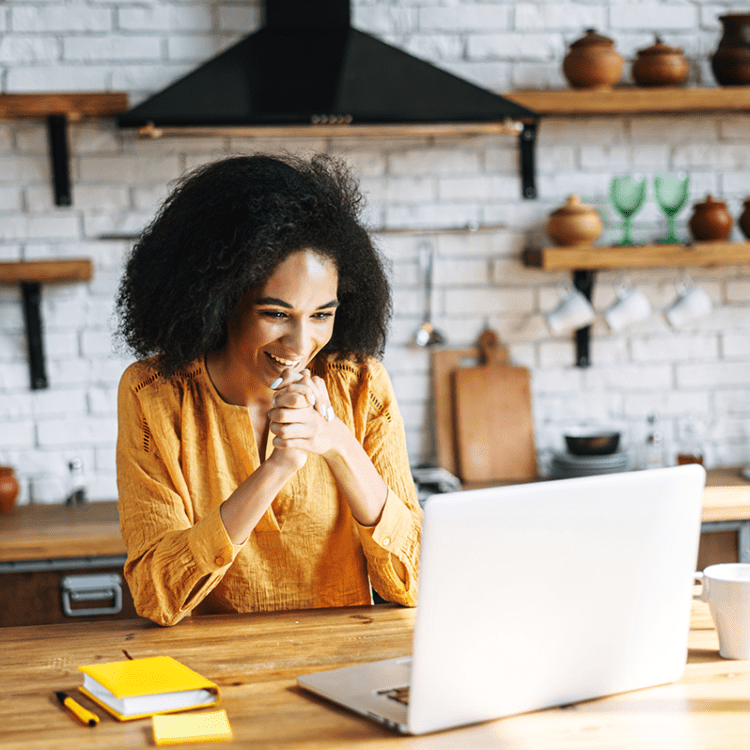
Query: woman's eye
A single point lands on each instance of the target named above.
(274, 314)
(323, 315)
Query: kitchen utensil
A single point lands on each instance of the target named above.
(573, 312)
(493, 419)
(9, 489)
(444, 362)
(711, 220)
(592, 62)
(660, 65)
(731, 61)
(595, 443)
(575, 223)
(631, 306)
(671, 193)
(691, 304)
(567, 465)
(427, 334)
(627, 195)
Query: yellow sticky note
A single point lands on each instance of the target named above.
(173, 729)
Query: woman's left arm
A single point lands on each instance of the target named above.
(373, 476)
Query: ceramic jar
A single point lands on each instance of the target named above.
(8, 489)
(731, 61)
(711, 220)
(660, 65)
(575, 223)
(744, 220)
(592, 62)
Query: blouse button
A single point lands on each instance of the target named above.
(219, 561)
(386, 541)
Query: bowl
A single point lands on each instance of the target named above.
(593, 443)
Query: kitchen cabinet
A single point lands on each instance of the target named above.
(62, 564)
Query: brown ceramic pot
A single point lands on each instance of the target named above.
(592, 62)
(575, 223)
(731, 61)
(711, 220)
(8, 489)
(744, 220)
(660, 65)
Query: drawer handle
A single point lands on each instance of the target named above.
(88, 588)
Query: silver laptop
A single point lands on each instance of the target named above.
(539, 595)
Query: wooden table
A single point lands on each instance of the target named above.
(256, 658)
(726, 507)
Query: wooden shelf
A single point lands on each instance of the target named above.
(45, 271)
(638, 256)
(634, 100)
(73, 105)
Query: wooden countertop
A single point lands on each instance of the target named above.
(255, 659)
(38, 532)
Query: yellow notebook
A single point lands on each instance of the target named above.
(137, 688)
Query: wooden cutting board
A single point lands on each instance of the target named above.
(493, 426)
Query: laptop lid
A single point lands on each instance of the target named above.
(548, 593)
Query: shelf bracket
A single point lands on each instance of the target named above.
(584, 282)
(57, 134)
(32, 314)
(527, 147)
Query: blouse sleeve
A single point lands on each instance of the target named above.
(392, 545)
(173, 562)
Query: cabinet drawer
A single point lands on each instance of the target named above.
(44, 592)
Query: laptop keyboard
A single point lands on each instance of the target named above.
(397, 694)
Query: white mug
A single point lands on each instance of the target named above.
(726, 588)
(573, 312)
(692, 303)
(630, 307)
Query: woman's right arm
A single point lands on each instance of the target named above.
(173, 560)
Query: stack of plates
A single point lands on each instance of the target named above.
(566, 465)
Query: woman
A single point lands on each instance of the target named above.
(261, 458)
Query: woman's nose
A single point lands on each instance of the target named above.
(297, 337)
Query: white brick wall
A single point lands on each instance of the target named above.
(118, 182)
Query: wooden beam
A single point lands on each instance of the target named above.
(634, 100)
(45, 271)
(638, 256)
(336, 131)
(73, 105)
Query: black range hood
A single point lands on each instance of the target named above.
(308, 66)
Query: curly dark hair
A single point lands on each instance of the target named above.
(224, 230)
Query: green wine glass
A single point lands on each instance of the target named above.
(627, 194)
(671, 193)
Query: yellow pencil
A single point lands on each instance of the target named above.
(82, 714)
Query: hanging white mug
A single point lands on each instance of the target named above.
(630, 307)
(573, 312)
(692, 303)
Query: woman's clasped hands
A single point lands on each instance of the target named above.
(301, 417)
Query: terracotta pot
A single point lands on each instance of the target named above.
(575, 223)
(592, 62)
(660, 65)
(9, 488)
(711, 220)
(731, 61)
(744, 220)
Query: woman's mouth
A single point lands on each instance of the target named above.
(282, 362)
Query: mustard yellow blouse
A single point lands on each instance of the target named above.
(182, 450)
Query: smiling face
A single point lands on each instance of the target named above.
(286, 322)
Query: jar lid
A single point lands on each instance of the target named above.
(659, 48)
(711, 202)
(573, 206)
(593, 39)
